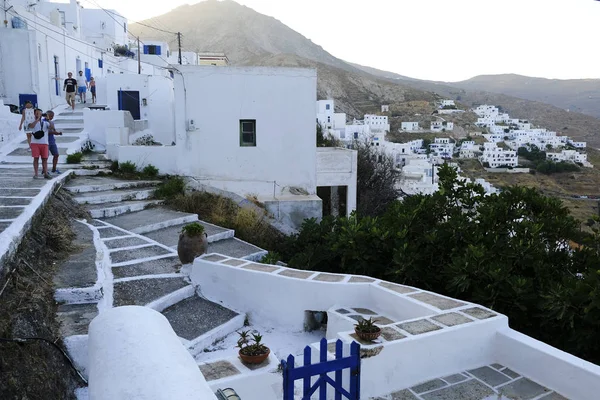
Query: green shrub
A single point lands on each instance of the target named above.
(128, 167)
(74, 158)
(150, 170)
(271, 258)
(114, 167)
(193, 229)
(171, 188)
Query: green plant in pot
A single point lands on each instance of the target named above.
(193, 242)
(367, 330)
(252, 351)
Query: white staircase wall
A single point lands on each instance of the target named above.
(134, 354)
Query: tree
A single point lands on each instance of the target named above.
(377, 180)
(510, 251)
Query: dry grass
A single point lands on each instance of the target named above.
(586, 182)
(36, 370)
(249, 224)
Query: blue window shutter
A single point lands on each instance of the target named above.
(99, 63)
(145, 49)
(88, 74)
(158, 50)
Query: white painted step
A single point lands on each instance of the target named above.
(114, 196)
(151, 220)
(108, 210)
(100, 184)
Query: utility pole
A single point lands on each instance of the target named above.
(179, 45)
(139, 55)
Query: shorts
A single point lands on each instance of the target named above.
(93, 89)
(53, 148)
(39, 150)
(70, 96)
(81, 89)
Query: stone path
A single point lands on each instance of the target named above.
(127, 256)
(493, 382)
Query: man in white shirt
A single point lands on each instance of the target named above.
(82, 85)
(39, 144)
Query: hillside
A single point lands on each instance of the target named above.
(216, 26)
(575, 95)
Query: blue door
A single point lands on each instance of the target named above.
(24, 97)
(56, 76)
(129, 100)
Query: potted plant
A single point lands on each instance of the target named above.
(193, 242)
(367, 330)
(252, 351)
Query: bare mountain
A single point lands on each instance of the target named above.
(579, 95)
(250, 38)
(241, 32)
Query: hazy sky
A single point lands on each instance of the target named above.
(446, 40)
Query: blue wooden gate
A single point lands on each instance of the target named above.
(291, 373)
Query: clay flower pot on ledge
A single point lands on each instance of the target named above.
(193, 242)
(367, 330)
(252, 351)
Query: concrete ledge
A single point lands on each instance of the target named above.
(172, 298)
(566, 374)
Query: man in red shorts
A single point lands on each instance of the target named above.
(39, 144)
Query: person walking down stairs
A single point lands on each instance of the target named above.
(69, 87)
(81, 86)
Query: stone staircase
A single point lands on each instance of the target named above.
(127, 256)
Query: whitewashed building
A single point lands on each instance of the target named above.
(447, 103)
(469, 149)
(569, 156)
(377, 123)
(330, 121)
(409, 126)
(442, 147)
(441, 126)
(43, 41)
(497, 157)
(235, 129)
(385, 108)
(577, 145)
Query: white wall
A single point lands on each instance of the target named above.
(281, 100)
(134, 355)
(102, 28)
(568, 375)
(338, 167)
(159, 94)
(9, 125)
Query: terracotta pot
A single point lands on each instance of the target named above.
(254, 359)
(369, 336)
(190, 247)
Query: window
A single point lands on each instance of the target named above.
(327, 106)
(247, 132)
(152, 49)
(62, 18)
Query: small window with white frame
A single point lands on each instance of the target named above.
(248, 133)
